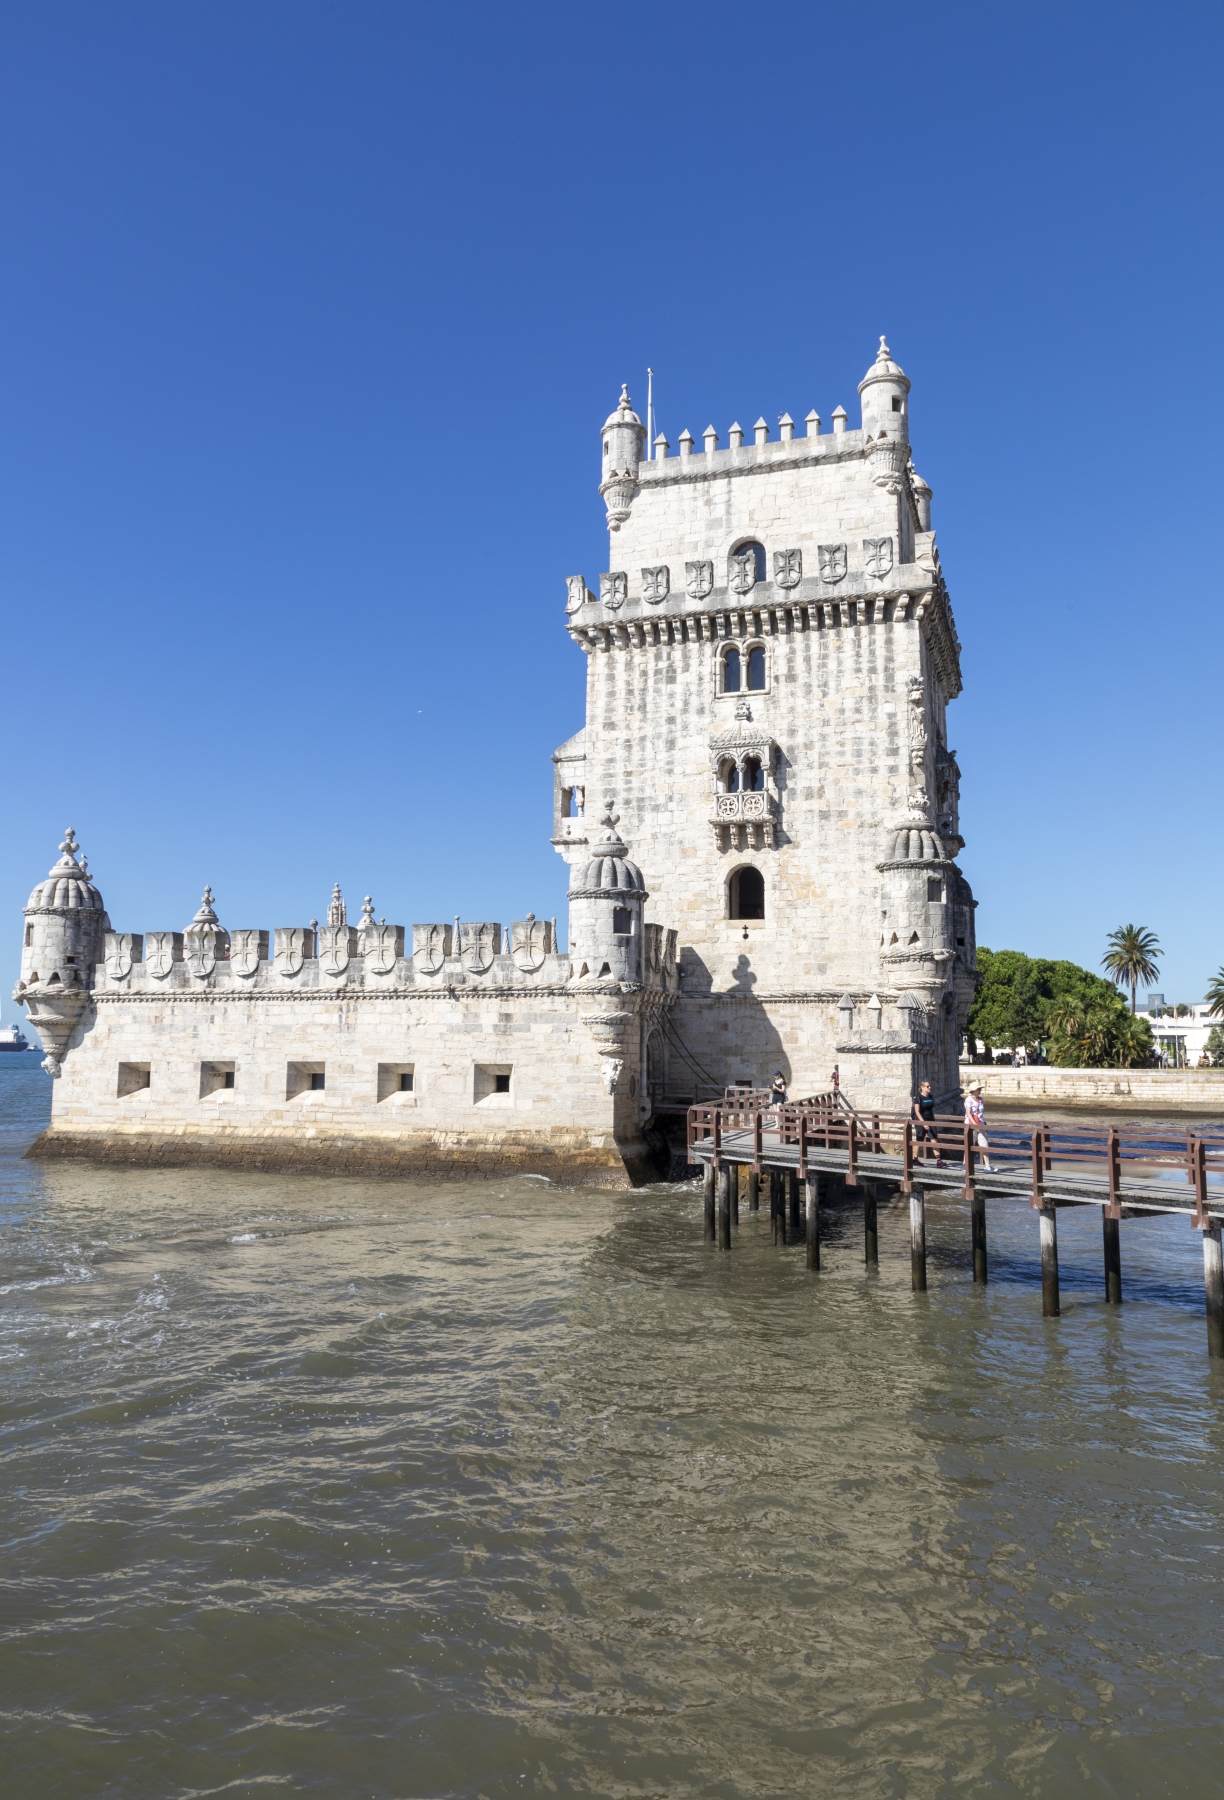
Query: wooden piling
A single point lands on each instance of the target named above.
(1112, 1233)
(724, 1207)
(1049, 1262)
(779, 1192)
(737, 1176)
(813, 1221)
(871, 1234)
(754, 1191)
(918, 1269)
(796, 1216)
(709, 1181)
(977, 1216)
(1213, 1284)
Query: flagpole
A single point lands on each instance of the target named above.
(650, 415)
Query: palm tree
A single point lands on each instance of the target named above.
(1215, 995)
(1132, 957)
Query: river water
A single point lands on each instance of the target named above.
(355, 1488)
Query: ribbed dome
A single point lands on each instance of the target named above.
(918, 843)
(68, 884)
(624, 414)
(609, 867)
(917, 483)
(884, 369)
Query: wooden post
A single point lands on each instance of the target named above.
(1113, 1258)
(1049, 1262)
(778, 1182)
(918, 1279)
(796, 1217)
(754, 1191)
(977, 1216)
(724, 1207)
(813, 1221)
(708, 1181)
(771, 1188)
(1213, 1283)
(737, 1175)
(871, 1237)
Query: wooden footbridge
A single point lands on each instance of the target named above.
(1129, 1171)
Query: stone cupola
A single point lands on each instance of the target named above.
(605, 909)
(65, 924)
(624, 443)
(884, 391)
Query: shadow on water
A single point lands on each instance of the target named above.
(343, 1487)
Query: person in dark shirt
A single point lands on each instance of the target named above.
(923, 1114)
(777, 1093)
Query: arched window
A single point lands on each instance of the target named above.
(746, 893)
(754, 776)
(756, 668)
(731, 671)
(728, 777)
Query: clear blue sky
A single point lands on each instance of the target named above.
(311, 315)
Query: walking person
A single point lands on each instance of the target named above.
(923, 1114)
(777, 1093)
(975, 1116)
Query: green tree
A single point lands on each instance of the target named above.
(1215, 1046)
(1132, 957)
(1017, 994)
(1098, 1035)
(1215, 995)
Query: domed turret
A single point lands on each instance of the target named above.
(884, 391)
(65, 924)
(605, 917)
(624, 441)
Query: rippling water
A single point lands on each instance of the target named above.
(341, 1487)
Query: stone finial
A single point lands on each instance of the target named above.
(760, 432)
(687, 441)
(367, 912)
(786, 428)
(710, 439)
(840, 416)
(883, 354)
(743, 710)
(661, 447)
(337, 911)
(813, 423)
(735, 436)
(206, 914)
(69, 851)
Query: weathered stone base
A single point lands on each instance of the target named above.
(569, 1159)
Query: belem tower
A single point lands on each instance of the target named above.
(760, 818)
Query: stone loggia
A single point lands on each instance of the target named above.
(760, 818)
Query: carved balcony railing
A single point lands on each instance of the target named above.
(744, 820)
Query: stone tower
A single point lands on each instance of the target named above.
(770, 658)
(65, 925)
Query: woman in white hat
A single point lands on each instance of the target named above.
(975, 1116)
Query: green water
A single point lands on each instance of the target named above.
(349, 1488)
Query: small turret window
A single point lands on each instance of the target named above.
(896, 403)
(746, 894)
(756, 669)
(622, 921)
(29, 936)
(731, 672)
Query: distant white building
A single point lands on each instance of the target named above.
(1183, 1040)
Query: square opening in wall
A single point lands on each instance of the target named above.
(217, 1078)
(305, 1078)
(491, 1084)
(397, 1083)
(132, 1078)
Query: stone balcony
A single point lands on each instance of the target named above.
(744, 821)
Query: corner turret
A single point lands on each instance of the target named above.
(624, 442)
(605, 910)
(884, 391)
(65, 923)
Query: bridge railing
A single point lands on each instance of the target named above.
(1109, 1153)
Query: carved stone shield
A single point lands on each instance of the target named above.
(201, 950)
(832, 561)
(878, 556)
(165, 949)
(336, 946)
(788, 568)
(699, 580)
(122, 950)
(576, 592)
(481, 943)
(291, 948)
(531, 941)
(431, 945)
(614, 589)
(247, 950)
(742, 571)
(381, 946)
(656, 584)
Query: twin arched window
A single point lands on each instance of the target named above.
(748, 778)
(734, 671)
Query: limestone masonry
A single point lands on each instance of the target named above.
(760, 818)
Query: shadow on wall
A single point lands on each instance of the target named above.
(722, 1044)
